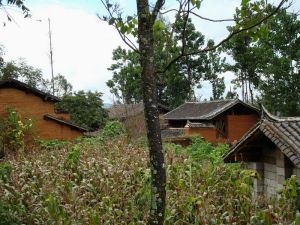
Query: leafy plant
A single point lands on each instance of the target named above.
(73, 158)
(13, 132)
(106, 180)
(5, 171)
(52, 144)
(112, 129)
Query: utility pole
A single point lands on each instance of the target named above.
(51, 55)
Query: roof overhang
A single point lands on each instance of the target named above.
(12, 83)
(64, 122)
(280, 131)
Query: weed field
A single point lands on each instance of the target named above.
(96, 181)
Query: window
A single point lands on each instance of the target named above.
(221, 127)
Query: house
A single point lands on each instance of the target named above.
(132, 115)
(39, 106)
(125, 111)
(272, 148)
(223, 121)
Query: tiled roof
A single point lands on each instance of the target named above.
(128, 110)
(204, 110)
(283, 132)
(64, 122)
(12, 83)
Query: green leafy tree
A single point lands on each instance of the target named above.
(215, 66)
(22, 71)
(144, 32)
(178, 83)
(32, 76)
(85, 108)
(280, 67)
(269, 63)
(126, 81)
(61, 86)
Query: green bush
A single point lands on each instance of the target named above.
(5, 171)
(113, 129)
(11, 214)
(13, 132)
(52, 144)
(73, 158)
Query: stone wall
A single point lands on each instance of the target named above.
(296, 171)
(273, 170)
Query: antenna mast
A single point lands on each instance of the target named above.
(51, 55)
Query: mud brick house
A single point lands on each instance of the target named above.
(223, 121)
(39, 106)
(132, 115)
(124, 111)
(272, 148)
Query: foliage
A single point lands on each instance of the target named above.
(27, 74)
(5, 171)
(125, 83)
(109, 181)
(73, 158)
(85, 109)
(176, 85)
(19, 4)
(21, 71)
(269, 63)
(14, 132)
(112, 129)
(52, 144)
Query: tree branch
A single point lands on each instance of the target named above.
(124, 38)
(201, 17)
(183, 33)
(159, 4)
(207, 49)
(212, 20)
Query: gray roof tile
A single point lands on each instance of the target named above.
(203, 110)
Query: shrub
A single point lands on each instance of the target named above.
(5, 171)
(113, 129)
(14, 132)
(73, 158)
(11, 214)
(52, 144)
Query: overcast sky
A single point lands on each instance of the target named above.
(82, 43)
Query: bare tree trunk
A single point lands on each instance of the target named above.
(158, 174)
(251, 93)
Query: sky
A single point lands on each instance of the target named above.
(83, 44)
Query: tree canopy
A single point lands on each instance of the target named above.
(179, 82)
(85, 108)
(268, 65)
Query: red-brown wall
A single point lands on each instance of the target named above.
(32, 106)
(237, 126)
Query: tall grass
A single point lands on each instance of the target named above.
(108, 182)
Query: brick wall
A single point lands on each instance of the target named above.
(209, 134)
(238, 125)
(32, 106)
(273, 170)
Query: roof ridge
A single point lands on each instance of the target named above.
(218, 100)
(267, 115)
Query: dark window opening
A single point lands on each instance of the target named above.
(221, 128)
